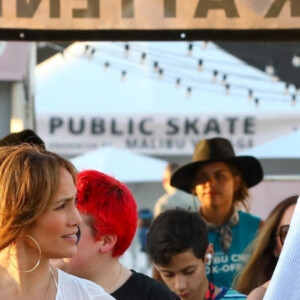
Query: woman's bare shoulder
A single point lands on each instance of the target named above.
(259, 292)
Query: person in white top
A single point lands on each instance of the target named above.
(39, 221)
(173, 197)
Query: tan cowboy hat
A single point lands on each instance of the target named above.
(216, 150)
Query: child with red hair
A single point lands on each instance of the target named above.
(109, 214)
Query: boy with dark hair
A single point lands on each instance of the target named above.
(178, 244)
(109, 214)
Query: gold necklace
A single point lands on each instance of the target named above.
(45, 295)
(2, 293)
(117, 278)
(48, 285)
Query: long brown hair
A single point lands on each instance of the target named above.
(262, 262)
(241, 195)
(29, 179)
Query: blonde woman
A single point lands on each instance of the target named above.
(38, 221)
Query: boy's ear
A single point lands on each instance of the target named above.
(107, 242)
(210, 249)
(209, 253)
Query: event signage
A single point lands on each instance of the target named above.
(158, 134)
(149, 15)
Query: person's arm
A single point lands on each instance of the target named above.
(257, 294)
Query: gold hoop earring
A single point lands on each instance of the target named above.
(39, 259)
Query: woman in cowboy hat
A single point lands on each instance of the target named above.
(220, 180)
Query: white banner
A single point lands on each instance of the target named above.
(149, 15)
(158, 134)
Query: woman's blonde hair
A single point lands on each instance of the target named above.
(29, 179)
(262, 262)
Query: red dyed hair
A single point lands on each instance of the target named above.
(111, 204)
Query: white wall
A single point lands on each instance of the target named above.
(267, 194)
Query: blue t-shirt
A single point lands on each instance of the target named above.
(225, 266)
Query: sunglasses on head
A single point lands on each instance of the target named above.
(282, 233)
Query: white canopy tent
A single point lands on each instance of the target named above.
(76, 77)
(157, 98)
(124, 165)
(142, 173)
(286, 146)
(280, 156)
